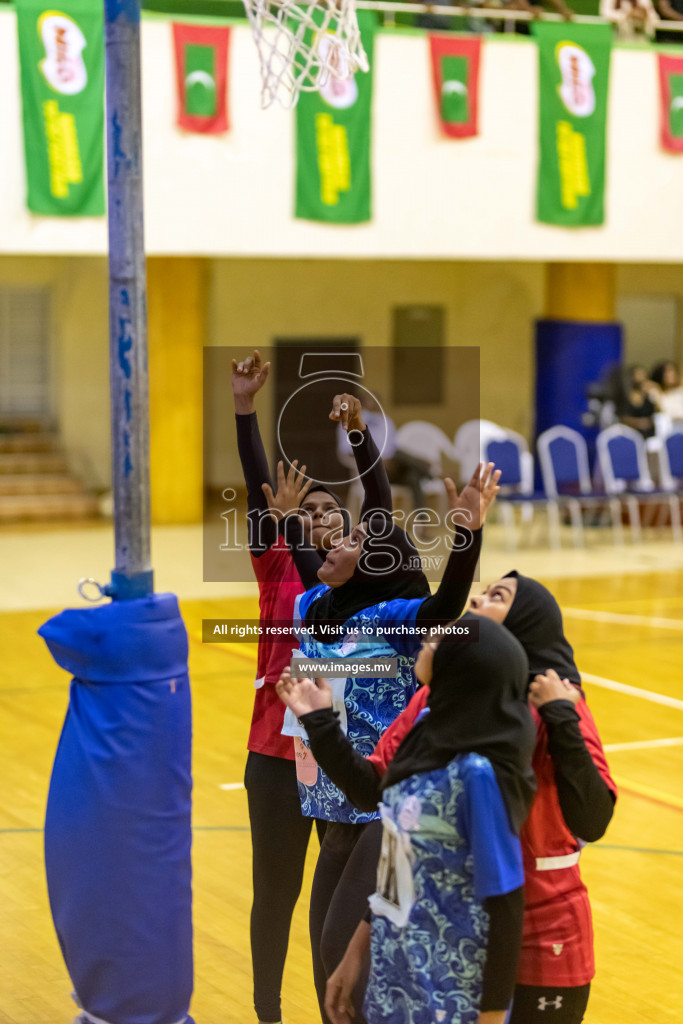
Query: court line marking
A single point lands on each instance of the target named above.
(195, 828)
(674, 741)
(633, 691)
(237, 785)
(653, 621)
(634, 849)
(657, 796)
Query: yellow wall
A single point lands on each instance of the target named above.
(489, 305)
(251, 302)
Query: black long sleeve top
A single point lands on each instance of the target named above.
(586, 801)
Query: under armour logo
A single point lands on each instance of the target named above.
(544, 1003)
(558, 947)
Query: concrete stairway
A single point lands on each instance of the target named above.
(35, 481)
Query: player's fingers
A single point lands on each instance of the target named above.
(265, 370)
(270, 497)
(304, 490)
(336, 402)
(476, 477)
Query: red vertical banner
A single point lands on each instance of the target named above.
(671, 103)
(201, 63)
(455, 74)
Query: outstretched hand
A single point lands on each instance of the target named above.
(346, 409)
(248, 377)
(291, 491)
(549, 686)
(476, 497)
(303, 695)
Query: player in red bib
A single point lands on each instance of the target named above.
(279, 832)
(573, 805)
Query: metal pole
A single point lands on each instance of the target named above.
(133, 576)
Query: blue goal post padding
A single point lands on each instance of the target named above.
(118, 819)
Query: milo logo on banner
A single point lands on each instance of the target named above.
(63, 67)
(577, 70)
(340, 90)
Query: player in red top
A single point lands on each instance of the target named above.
(573, 805)
(279, 832)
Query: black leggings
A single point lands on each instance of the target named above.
(279, 838)
(534, 1004)
(345, 876)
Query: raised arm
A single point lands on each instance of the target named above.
(248, 377)
(283, 507)
(586, 801)
(468, 510)
(347, 411)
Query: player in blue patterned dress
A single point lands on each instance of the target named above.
(447, 913)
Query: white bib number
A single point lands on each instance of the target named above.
(395, 894)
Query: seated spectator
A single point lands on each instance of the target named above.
(667, 380)
(634, 404)
(670, 10)
(634, 19)
(402, 468)
(536, 10)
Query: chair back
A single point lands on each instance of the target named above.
(623, 459)
(425, 441)
(563, 455)
(671, 460)
(508, 459)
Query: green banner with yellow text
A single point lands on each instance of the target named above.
(333, 142)
(573, 85)
(61, 54)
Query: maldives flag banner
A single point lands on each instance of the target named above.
(573, 86)
(455, 74)
(201, 63)
(671, 103)
(333, 145)
(61, 59)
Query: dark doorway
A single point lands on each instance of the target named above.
(308, 373)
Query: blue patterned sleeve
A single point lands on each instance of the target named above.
(309, 596)
(397, 620)
(496, 850)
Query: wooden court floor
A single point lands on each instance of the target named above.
(628, 635)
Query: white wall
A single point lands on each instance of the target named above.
(434, 198)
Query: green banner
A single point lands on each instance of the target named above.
(333, 141)
(574, 74)
(61, 53)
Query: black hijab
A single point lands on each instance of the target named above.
(477, 703)
(335, 497)
(389, 567)
(536, 620)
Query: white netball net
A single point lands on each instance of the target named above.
(302, 44)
